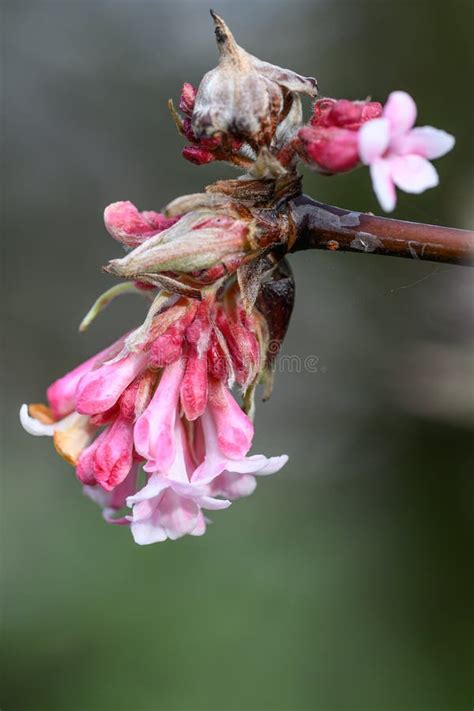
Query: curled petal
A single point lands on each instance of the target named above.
(400, 110)
(42, 427)
(374, 138)
(413, 174)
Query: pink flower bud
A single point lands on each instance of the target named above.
(194, 387)
(187, 99)
(109, 459)
(130, 227)
(333, 150)
(217, 363)
(167, 347)
(342, 113)
(330, 142)
(136, 397)
(243, 346)
(100, 389)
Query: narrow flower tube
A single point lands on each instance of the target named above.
(154, 429)
(234, 428)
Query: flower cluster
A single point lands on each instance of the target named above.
(160, 398)
(150, 423)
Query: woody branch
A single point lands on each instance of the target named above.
(320, 226)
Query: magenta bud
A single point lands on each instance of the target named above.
(198, 156)
(332, 150)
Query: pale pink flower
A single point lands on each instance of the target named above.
(169, 505)
(398, 154)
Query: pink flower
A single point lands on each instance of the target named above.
(397, 153)
(169, 505)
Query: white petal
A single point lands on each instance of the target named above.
(382, 184)
(40, 429)
(374, 137)
(426, 141)
(413, 174)
(400, 110)
(273, 465)
(145, 532)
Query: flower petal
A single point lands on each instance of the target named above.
(425, 141)
(382, 184)
(413, 174)
(374, 137)
(400, 110)
(178, 515)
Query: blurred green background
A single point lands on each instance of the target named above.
(346, 582)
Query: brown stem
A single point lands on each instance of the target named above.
(320, 226)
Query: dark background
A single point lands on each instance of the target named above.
(345, 582)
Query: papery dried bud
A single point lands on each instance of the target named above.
(130, 227)
(199, 241)
(243, 96)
